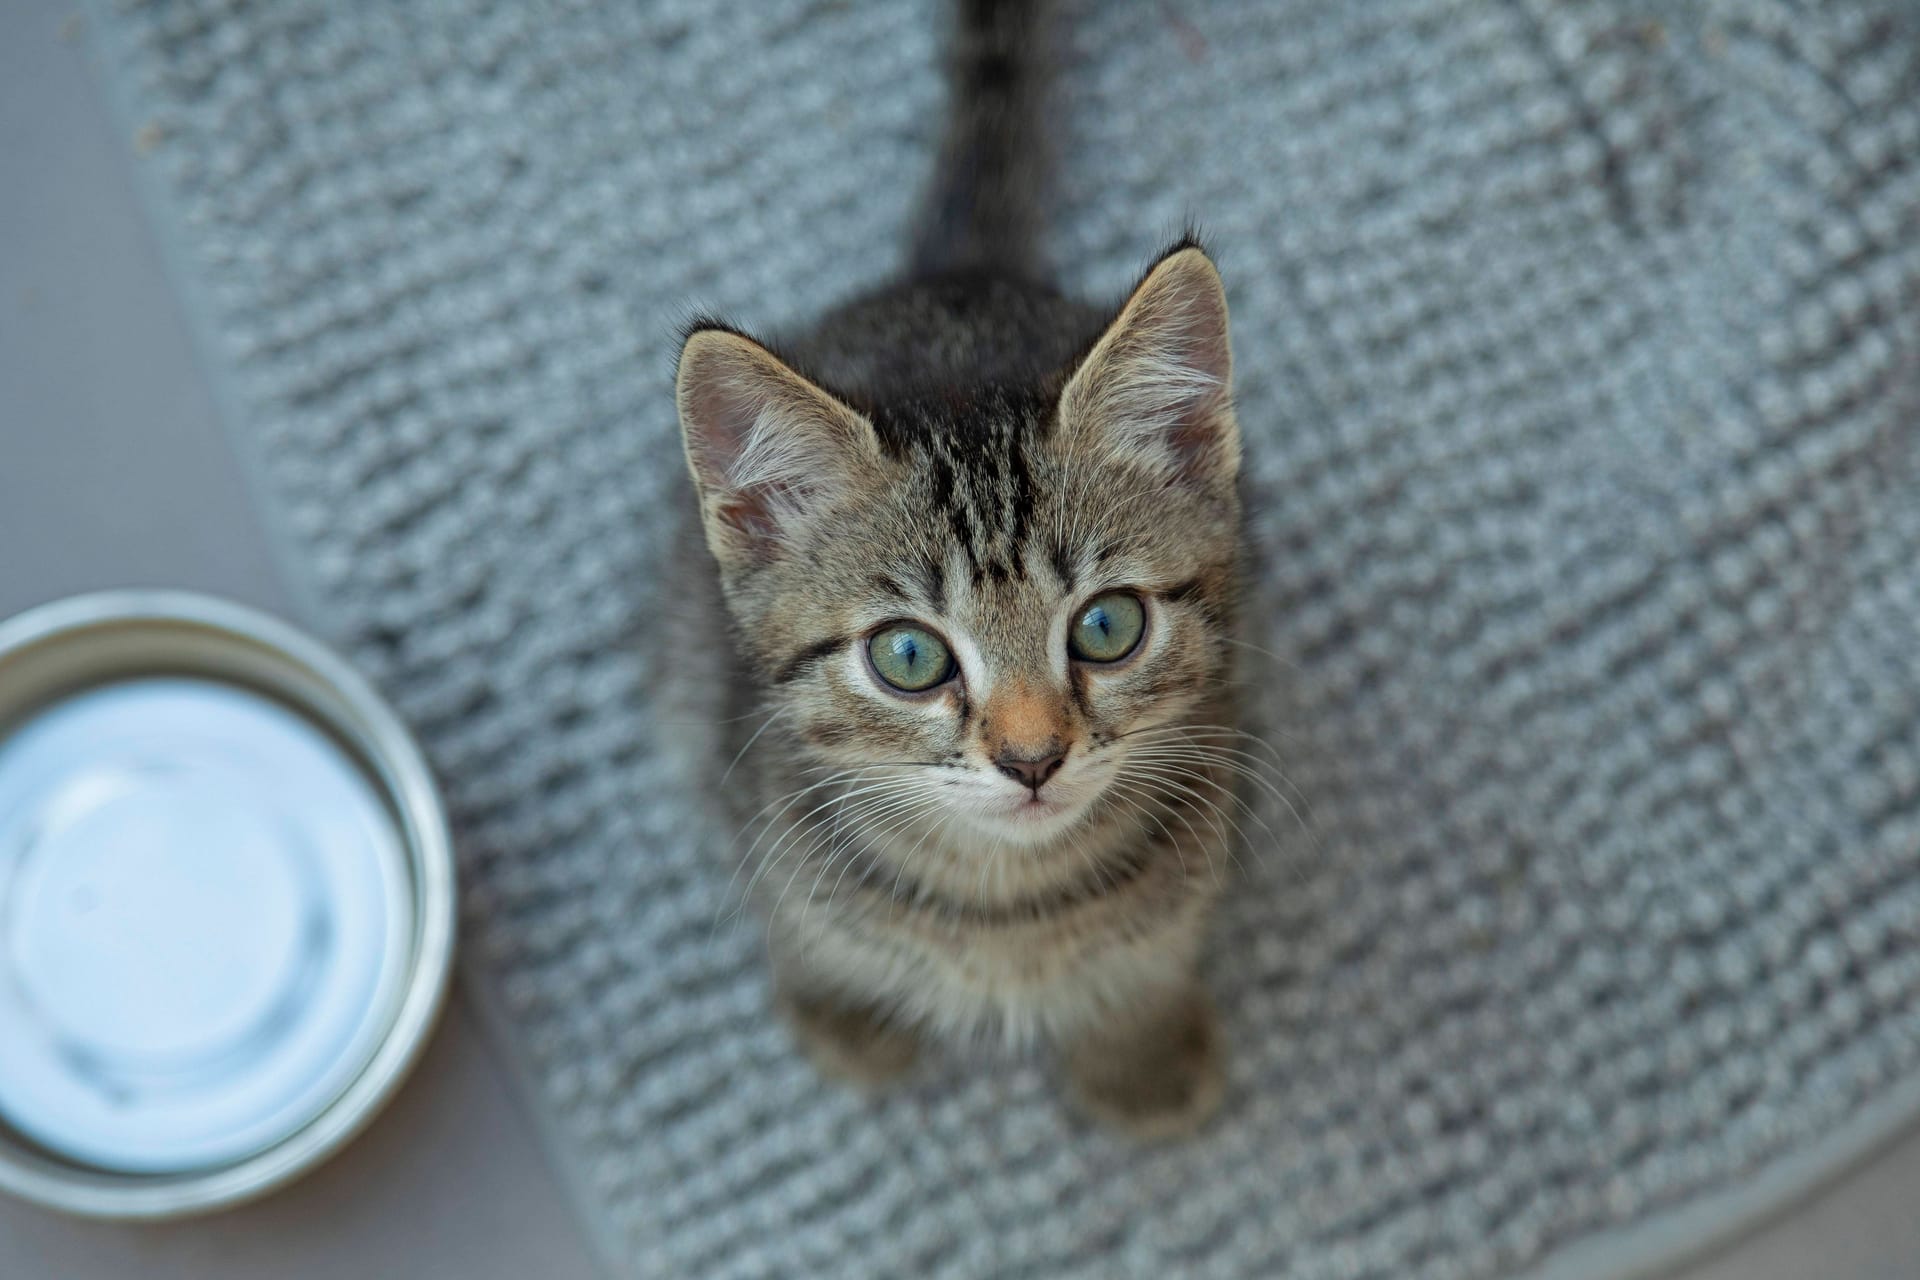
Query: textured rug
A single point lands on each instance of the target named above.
(1579, 352)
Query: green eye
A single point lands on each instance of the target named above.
(1107, 628)
(909, 658)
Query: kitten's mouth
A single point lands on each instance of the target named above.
(1036, 817)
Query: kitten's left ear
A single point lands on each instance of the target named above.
(1157, 388)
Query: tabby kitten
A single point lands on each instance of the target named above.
(977, 542)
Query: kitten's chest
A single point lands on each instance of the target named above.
(1013, 976)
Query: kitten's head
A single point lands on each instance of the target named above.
(995, 590)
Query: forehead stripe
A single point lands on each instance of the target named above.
(931, 577)
(1062, 565)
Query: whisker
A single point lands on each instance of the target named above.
(789, 838)
(1209, 812)
(890, 764)
(1224, 758)
(1129, 790)
(704, 723)
(1098, 872)
(748, 745)
(938, 829)
(1241, 763)
(790, 796)
(1266, 653)
(1208, 730)
(927, 804)
(1286, 863)
(1169, 776)
(866, 815)
(1197, 736)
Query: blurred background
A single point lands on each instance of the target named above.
(115, 471)
(118, 350)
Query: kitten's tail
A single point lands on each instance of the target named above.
(983, 208)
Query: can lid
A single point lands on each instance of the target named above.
(204, 924)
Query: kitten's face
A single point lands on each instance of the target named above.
(987, 609)
(1006, 658)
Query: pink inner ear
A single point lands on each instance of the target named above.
(1185, 328)
(1157, 388)
(767, 447)
(718, 420)
(755, 510)
(746, 512)
(1196, 437)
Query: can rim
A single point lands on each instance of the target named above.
(398, 769)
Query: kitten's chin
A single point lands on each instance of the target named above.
(1031, 821)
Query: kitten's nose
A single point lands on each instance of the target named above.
(1030, 773)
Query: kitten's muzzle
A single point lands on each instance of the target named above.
(1031, 772)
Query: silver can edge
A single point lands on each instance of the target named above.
(362, 717)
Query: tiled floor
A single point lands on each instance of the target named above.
(113, 472)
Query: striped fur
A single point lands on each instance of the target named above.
(973, 452)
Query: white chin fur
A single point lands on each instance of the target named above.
(1002, 812)
(1023, 822)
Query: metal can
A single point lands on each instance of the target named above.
(226, 904)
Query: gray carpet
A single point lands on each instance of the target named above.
(1578, 360)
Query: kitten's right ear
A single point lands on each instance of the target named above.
(769, 450)
(1157, 388)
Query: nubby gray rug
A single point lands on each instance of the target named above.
(1579, 354)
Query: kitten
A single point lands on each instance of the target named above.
(977, 546)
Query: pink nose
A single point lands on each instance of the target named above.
(1031, 773)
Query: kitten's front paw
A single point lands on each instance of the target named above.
(851, 1045)
(1157, 1079)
